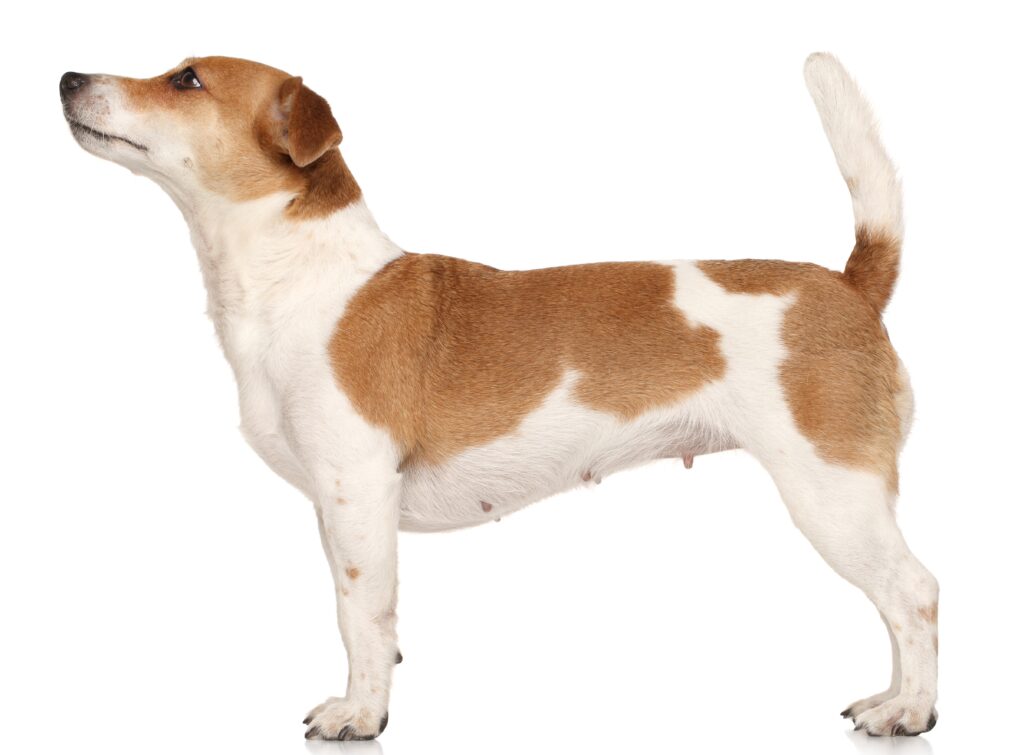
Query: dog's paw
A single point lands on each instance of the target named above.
(855, 709)
(341, 719)
(902, 716)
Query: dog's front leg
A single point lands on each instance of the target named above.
(358, 517)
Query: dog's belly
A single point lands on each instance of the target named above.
(559, 446)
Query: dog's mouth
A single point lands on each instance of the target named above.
(77, 127)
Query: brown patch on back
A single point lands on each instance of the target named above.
(352, 572)
(448, 354)
(841, 375)
(255, 131)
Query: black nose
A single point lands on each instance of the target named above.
(71, 83)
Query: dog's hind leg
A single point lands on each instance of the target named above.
(848, 517)
(903, 404)
(855, 709)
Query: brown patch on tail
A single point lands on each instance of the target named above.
(874, 265)
(448, 354)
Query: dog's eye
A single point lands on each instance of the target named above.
(187, 79)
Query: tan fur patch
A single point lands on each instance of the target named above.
(874, 266)
(841, 376)
(352, 572)
(448, 354)
(930, 613)
(235, 127)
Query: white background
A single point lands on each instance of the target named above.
(162, 591)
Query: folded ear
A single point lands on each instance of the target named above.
(305, 127)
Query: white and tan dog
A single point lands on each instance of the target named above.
(426, 393)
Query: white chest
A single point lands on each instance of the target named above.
(276, 291)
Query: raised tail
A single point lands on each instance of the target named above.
(874, 186)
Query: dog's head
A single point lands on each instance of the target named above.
(221, 126)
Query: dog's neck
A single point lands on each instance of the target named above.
(327, 186)
(271, 272)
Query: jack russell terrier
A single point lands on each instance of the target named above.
(422, 392)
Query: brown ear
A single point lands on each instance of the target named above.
(307, 128)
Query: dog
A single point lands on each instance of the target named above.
(423, 392)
